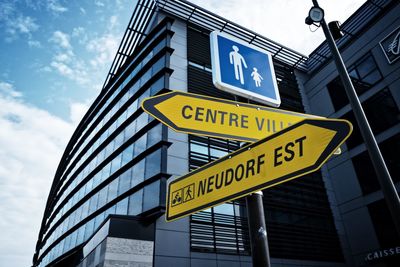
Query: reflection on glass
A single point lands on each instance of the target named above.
(151, 196)
(135, 203)
(122, 207)
(153, 164)
(225, 208)
(112, 190)
(138, 173)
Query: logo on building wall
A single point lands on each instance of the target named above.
(391, 46)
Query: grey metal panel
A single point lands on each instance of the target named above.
(360, 230)
(321, 104)
(181, 225)
(345, 183)
(172, 243)
(202, 263)
(163, 261)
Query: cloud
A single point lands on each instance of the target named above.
(281, 20)
(14, 23)
(34, 43)
(99, 3)
(77, 110)
(65, 62)
(105, 48)
(62, 39)
(56, 7)
(31, 144)
(21, 25)
(79, 34)
(7, 90)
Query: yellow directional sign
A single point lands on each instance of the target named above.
(297, 150)
(203, 115)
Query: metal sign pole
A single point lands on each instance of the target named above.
(382, 173)
(257, 230)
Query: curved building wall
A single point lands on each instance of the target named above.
(117, 163)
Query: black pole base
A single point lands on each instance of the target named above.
(257, 230)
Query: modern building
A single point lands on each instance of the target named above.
(107, 201)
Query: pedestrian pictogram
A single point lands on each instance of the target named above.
(256, 77)
(295, 151)
(188, 192)
(243, 69)
(238, 62)
(182, 195)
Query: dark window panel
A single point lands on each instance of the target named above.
(384, 228)
(364, 168)
(364, 74)
(382, 113)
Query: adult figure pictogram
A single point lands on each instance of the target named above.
(237, 60)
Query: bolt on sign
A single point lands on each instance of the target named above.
(295, 151)
(203, 115)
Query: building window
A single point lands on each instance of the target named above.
(382, 113)
(365, 170)
(364, 74)
(384, 229)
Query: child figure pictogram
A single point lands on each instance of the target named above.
(256, 77)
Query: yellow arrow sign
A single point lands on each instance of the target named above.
(290, 153)
(203, 115)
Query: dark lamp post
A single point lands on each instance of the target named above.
(383, 175)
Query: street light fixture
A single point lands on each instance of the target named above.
(315, 15)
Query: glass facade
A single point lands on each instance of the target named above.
(115, 162)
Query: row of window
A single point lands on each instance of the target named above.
(103, 154)
(143, 199)
(118, 121)
(116, 91)
(142, 170)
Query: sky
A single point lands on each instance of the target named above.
(54, 57)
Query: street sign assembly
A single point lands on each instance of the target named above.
(295, 151)
(243, 69)
(203, 115)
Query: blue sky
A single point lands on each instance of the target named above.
(58, 52)
(54, 57)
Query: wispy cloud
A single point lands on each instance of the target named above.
(65, 61)
(56, 7)
(104, 48)
(62, 39)
(34, 43)
(14, 23)
(7, 90)
(31, 143)
(99, 3)
(21, 25)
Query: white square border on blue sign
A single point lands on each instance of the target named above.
(216, 73)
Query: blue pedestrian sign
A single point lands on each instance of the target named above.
(243, 69)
